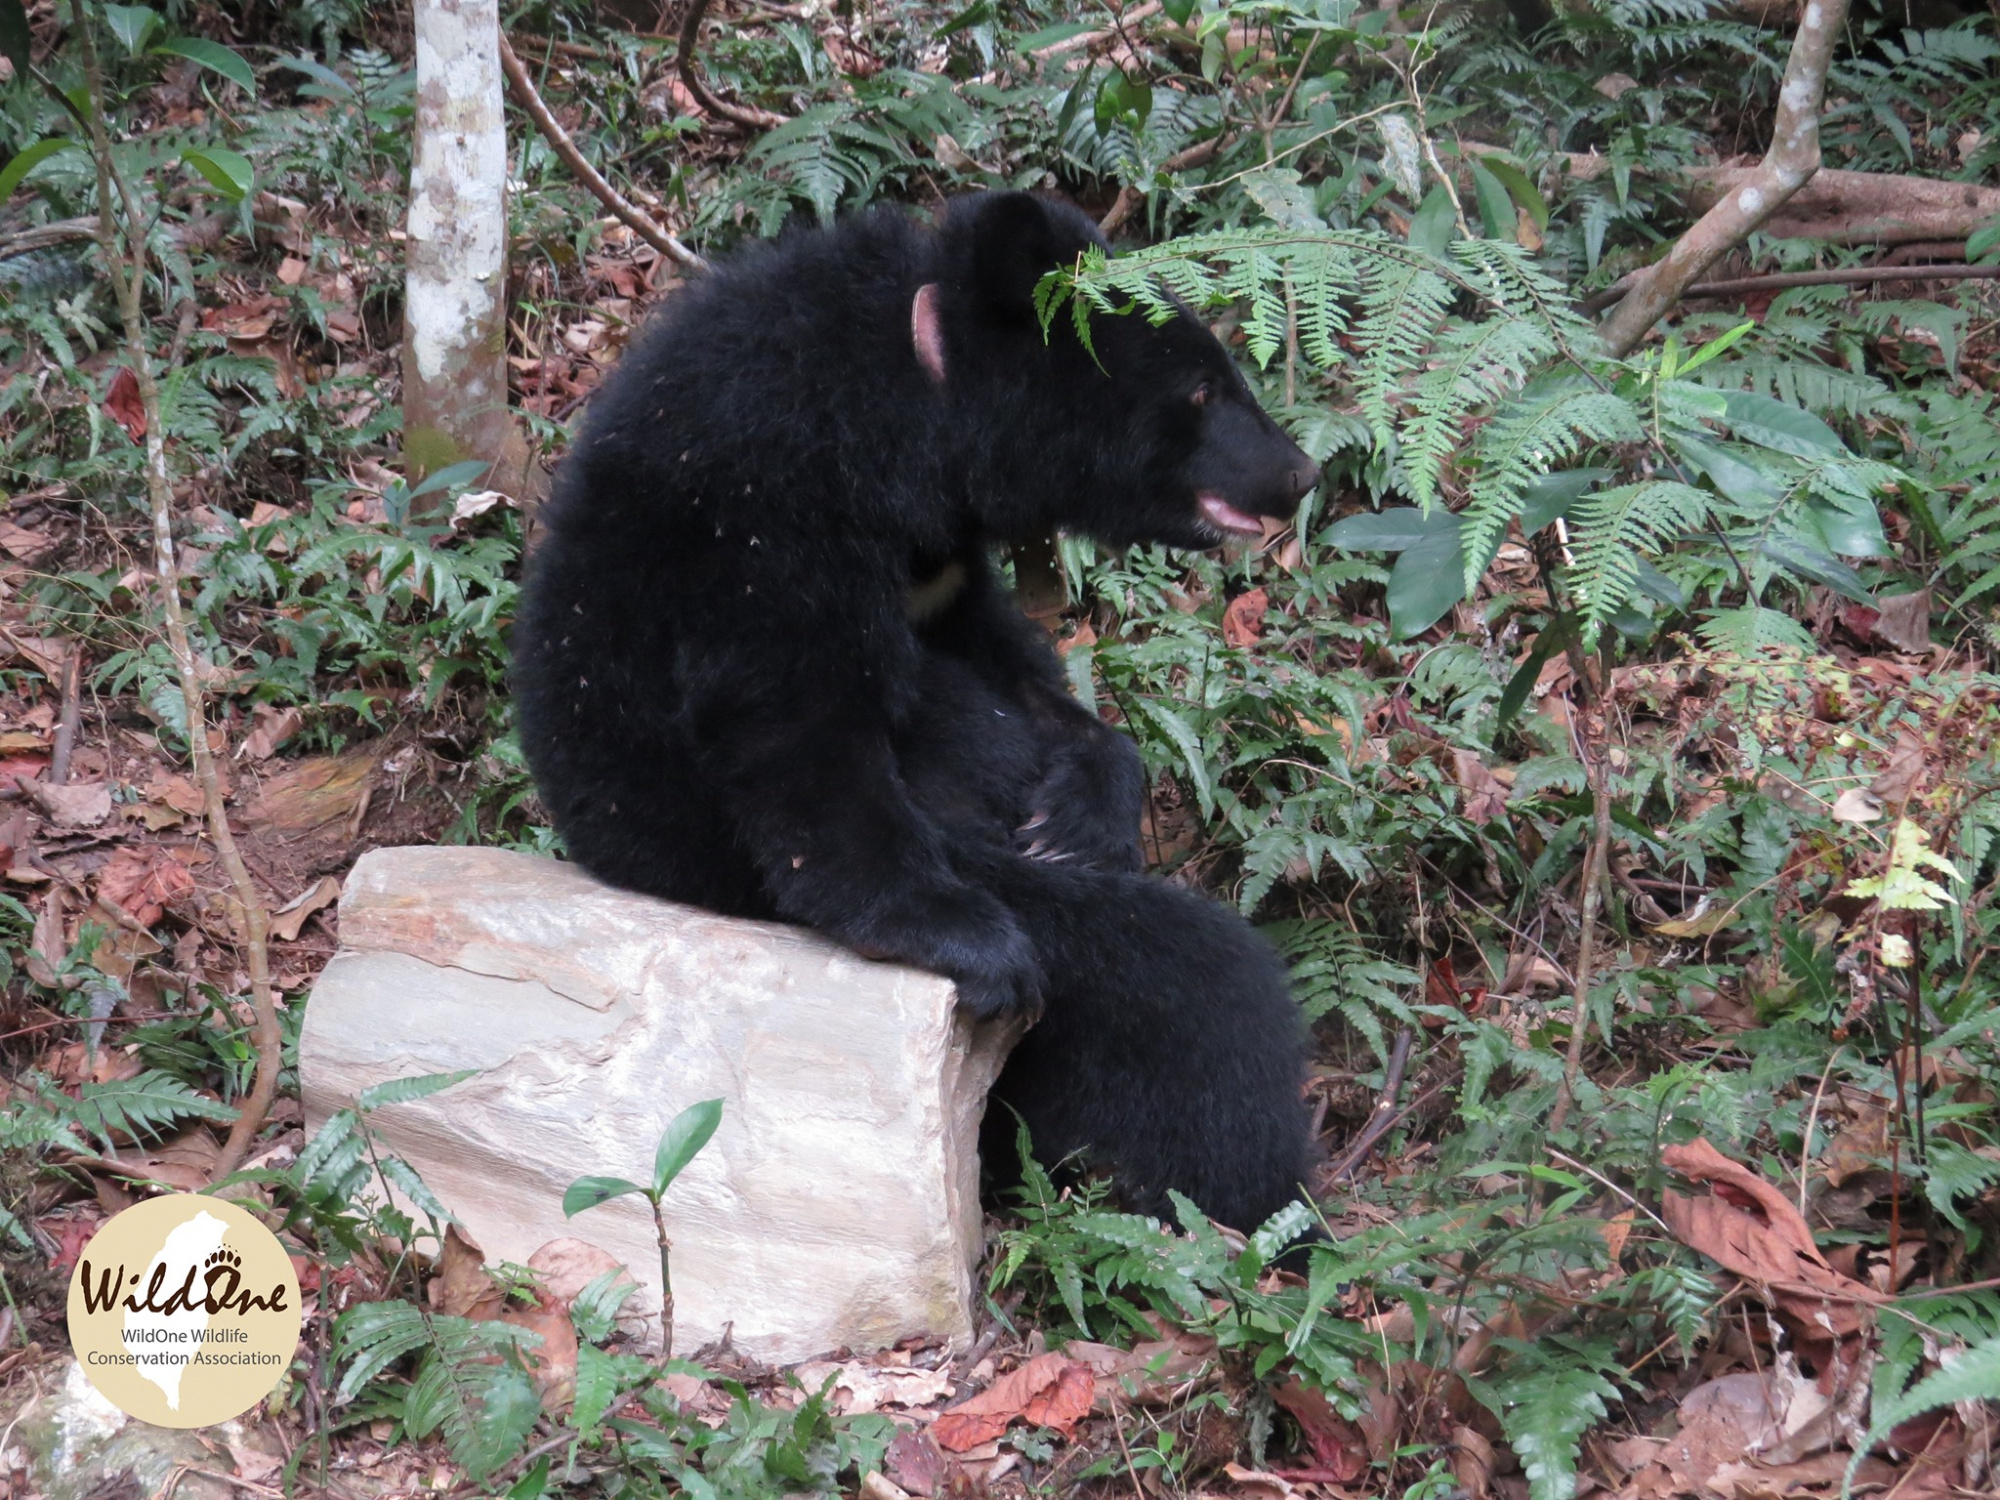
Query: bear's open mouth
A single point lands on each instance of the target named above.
(1223, 516)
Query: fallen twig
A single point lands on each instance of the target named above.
(1793, 158)
(641, 223)
(42, 236)
(1778, 280)
(1382, 1116)
(1595, 863)
(72, 712)
(747, 115)
(125, 263)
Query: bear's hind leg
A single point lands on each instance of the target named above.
(1170, 1054)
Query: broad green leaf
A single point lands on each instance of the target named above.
(1661, 589)
(1122, 98)
(683, 1138)
(1427, 580)
(1796, 555)
(1549, 497)
(213, 56)
(1178, 11)
(1048, 36)
(1984, 243)
(1770, 423)
(1394, 530)
(403, 1090)
(1855, 532)
(1733, 475)
(1552, 639)
(1720, 344)
(1435, 224)
(588, 1192)
(1496, 209)
(26, 160)
(229, 171)
(1519, 187)
(133, 25)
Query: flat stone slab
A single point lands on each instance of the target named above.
(838, 1204)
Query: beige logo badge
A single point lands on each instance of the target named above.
(184, 1310)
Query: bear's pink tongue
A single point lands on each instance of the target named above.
(1226, 517)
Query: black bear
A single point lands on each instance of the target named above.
(763, 663)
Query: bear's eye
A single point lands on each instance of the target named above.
(1201, 394)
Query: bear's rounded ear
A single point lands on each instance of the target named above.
(927, 331)
(1006, 243)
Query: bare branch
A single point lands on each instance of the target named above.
(1838, 276)
(1129, 198)
(1791, 161)
(125, 260)
(749, 116)
(642, 224)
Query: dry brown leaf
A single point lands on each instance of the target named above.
(1900, 779)
(915, 1462)
(859, 1386)
(142, 882)
(80, 804)
(553, 1361)
(1338, 1446)
(1050, 1390)
(123, 406)
(1904, 620)
(1748, 1226)
(24, 543)
(1243, 621)
(461, 1287)
(567, 1266)
(288, 919)
(1472, 1462)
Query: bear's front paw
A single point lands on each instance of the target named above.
(1086, 807)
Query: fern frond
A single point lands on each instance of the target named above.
(1615, 529)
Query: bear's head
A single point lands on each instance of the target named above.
(1147, 435)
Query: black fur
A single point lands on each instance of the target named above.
(763, 664)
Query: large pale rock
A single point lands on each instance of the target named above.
(838, 1203)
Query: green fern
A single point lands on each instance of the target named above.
(469, 1383)
(1545, 1407)
(1334, 970)
(1616, 529)
(1972, 1376)
(139, 1107)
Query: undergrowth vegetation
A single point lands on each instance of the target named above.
(1609, 743)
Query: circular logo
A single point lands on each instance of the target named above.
(184, 1310)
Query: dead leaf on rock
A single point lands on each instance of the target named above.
(461, 1288)
(273, 727)
(1243, 621)
(1050, 1390)
(553, 1361)
(80, 804)
(288, 919)
(176, 792)
(567, 1266)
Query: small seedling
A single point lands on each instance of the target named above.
(680, 1143)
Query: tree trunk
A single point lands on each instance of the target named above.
(455, 301)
